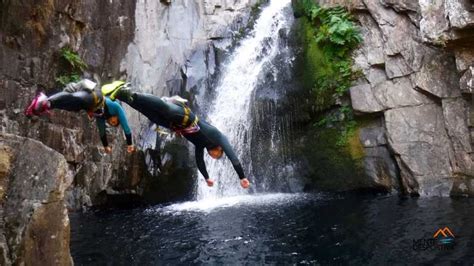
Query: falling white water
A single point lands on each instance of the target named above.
(230, 113)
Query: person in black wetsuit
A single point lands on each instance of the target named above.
(75, 96)
(83, 95)
(172, 113)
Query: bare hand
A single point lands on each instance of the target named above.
(130, 148)
(108, 150)
(245, 183)
(210, 182)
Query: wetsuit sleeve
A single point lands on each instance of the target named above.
(101, 126)
(124, 124)
(118, 110)
(199, 152)
(232, 156)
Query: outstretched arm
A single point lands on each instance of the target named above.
(199, 153)
(124, 123)
(202, 166)
(232, 156)
(116, 108)
(103, 136)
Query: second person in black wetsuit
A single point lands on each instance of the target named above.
(175, 115)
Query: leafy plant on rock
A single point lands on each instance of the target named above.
(71, 65)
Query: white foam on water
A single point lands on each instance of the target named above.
(212, 204)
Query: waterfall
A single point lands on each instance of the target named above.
(230, 111)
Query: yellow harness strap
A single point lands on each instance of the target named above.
(186, 116)
(98, 103)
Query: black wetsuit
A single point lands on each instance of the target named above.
(75, 97)
(76, 101)
(171, 116)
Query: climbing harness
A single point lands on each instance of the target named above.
(186, 127)
(99, 102)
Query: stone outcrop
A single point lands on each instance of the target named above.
(34, 225)
(417, 62)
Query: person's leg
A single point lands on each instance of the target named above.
(154, 108)
(149, 105)
(144, 102)
(80, 100)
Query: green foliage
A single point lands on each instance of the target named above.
(71, 66)
(74, 60)
(65, 79)
(329, 37)
(334, 26)
(341, 119)
(348, 131)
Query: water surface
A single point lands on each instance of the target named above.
(275, 229)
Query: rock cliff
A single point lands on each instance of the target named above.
(417, 63)
(34, 225)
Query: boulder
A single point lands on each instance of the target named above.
(396, 66)
(34, 217)
(418, 137)
(402, 5)
(466, 83)
(382, 168)
(464, 58)
(430, 80)
(363, 99)
(388, 94)
(455, 112)
(434, 25)
(459, 14)
(373, 44)
(371, 137)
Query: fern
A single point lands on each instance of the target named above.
(71, 66)
(330, 37)
(65, 79)
(73, 59)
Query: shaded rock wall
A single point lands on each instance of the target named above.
(34, 225)
(417, 65)
(31, 35)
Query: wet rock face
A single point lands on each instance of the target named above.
(33, 218)
(422, 89)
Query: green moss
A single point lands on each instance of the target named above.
(71, 66)
(328, 37)
(334, 167)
